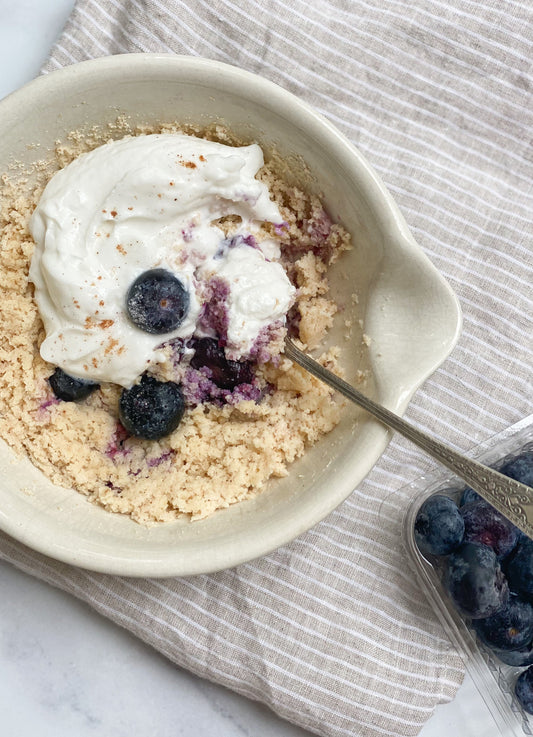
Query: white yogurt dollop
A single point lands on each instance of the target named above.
(141, 203)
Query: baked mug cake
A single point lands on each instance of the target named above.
(147, 287)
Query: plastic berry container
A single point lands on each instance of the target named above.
(494, 679)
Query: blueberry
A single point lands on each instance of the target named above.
(485, 525)
(474, 580)
(152, 408)
(157, 302)
(519, 568)
(69, 388)
(524, 689)
(469, 495)
(225, 373)
(439, 526)
(516, 658)
(520, 468)
(509, 629)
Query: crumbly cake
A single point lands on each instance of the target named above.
(222, 452)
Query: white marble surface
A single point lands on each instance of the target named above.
(64, 669)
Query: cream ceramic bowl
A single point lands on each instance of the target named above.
(408, 309)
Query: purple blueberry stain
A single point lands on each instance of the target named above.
(214, 315)
(317, 230)
(116, 448)
(187, 233)
(198, 388)
(245, 392)
(212, 377)
(179, 350)
(246, 240)
(260, 348)
(163, 458)
(234, 242)
(49, 402)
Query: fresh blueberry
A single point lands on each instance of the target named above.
(509, 629)
(69, 388)
(519, 568)
(516, 658)
(475, 582)
(469, 495)
(524, 689)
(157, 302)
(439, 526)
(225, 373)
(520, 468)
(151, 409)
(485, 525)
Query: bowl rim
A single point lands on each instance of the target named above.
(134, 66)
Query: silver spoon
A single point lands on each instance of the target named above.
(513, 499)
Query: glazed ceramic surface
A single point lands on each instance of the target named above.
(409, 312)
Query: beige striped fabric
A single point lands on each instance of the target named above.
(331, 631)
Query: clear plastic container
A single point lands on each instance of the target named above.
(494, 679)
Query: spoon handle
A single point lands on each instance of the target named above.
(513, 499)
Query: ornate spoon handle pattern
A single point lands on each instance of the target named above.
(513, 499)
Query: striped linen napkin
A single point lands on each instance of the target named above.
(331, 631)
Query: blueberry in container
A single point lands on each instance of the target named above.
(476, 570)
